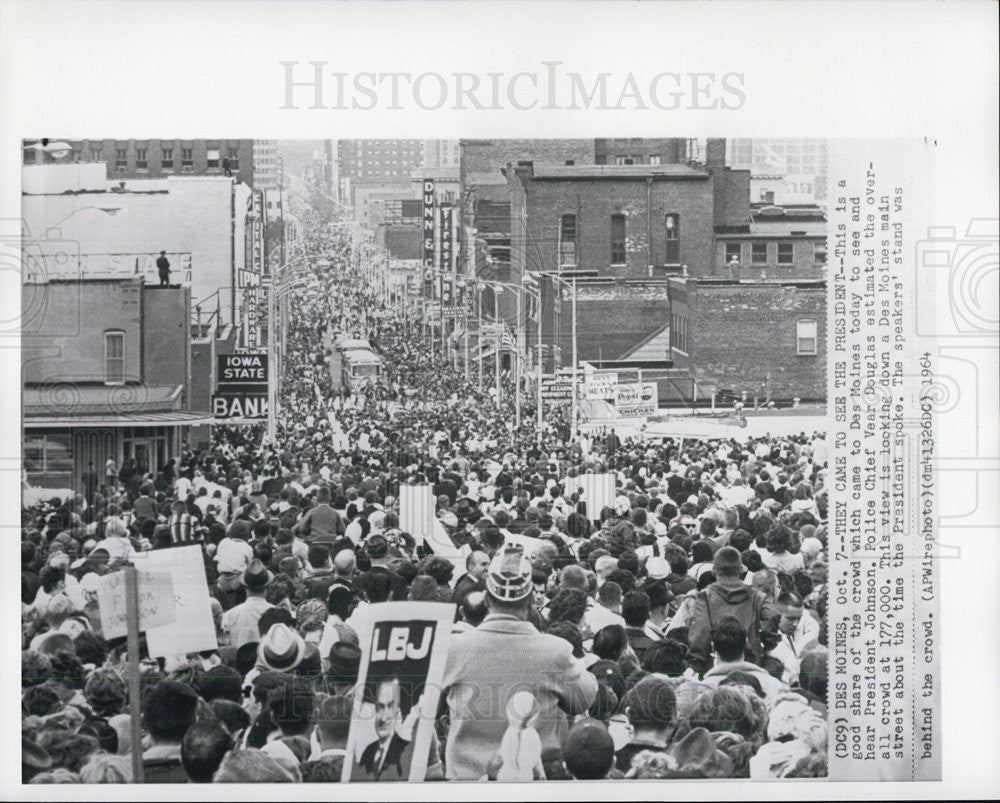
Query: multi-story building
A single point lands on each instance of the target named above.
(441, 153)
(118, 228)
(114, 385)
(752, 340)
(640, 151)
(627, 234)
(379, 159)
(783, 171)
(152, 158)
(783, 242)
(266, 164)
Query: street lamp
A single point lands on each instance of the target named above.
(572, 287)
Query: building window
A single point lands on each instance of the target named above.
(819, 253)
(95, 153)
(673, 255)
(233, 155)
(121, 159)
(785, 254)
(167, 160)
(187, 159)
(618, 239)
(733, 251)
(567, 241)
(212, 155)
(624, 160)
(758, 253)
(655, 159)
(805, 337)
(114, 358)
(140, 159)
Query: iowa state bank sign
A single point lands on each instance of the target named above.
(242, 388)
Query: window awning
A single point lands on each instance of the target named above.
(174, 418)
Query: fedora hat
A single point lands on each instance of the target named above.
(281, 649)
(257, 576)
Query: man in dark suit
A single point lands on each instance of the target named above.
(389, 757)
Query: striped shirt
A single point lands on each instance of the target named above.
(182, 528)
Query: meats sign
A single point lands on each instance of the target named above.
(636, 400)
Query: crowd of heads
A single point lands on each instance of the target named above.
(696, 595)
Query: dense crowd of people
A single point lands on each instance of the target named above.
(678, 632)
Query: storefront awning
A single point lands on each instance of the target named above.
(174, 418)
(77, 400)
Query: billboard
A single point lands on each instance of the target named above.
(636, 400)
(601, 386)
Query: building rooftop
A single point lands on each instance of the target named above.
(571, 172)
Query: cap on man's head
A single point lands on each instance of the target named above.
(589, 750)
(377, 546)
(509, 575)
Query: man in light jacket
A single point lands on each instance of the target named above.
(504, 655)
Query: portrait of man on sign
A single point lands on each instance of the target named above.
(389, 716)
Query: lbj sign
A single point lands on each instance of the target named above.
(636, 400)
(239, 407)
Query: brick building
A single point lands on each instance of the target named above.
(640, 151)
(201, 222)
(766, 339)
(374, 159)
(612, 221)
(782, 243)
(154, 158)
(103, 387)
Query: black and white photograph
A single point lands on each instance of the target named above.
(492, 399)
(597, 368)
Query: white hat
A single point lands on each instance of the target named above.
(657, 568)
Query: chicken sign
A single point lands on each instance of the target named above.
(636, 400)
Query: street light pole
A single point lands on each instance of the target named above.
(572, 433)
(539, 388)
(272, 422)
(517, 369)
(499, 339)
(479, 333)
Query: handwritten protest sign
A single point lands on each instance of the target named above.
(193, 629)
(156, 601)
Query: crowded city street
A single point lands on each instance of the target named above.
(616, 605)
